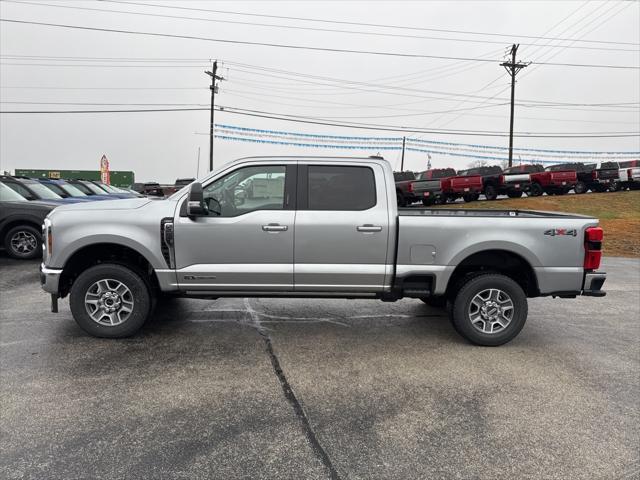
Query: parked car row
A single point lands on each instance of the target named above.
(154, 189)
(24, 202)
(438, 186)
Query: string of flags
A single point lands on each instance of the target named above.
(371, 144)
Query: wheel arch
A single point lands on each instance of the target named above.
(106, 252)
(16, 222)
(505, 261)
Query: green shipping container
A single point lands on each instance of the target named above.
(119, 178)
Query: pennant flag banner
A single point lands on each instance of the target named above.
(464, 150)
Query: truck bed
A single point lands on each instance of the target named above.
(435, 241)
(476, 212)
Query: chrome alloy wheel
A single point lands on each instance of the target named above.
(491, 311)
(24, 242)
(109, 302)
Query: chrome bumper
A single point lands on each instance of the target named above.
(593, 282)
(50, 279)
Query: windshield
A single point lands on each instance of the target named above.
(109, 188)
(42, 192)
(72, 190)
(90, 188)
(9, 195)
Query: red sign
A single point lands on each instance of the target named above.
(104, 170)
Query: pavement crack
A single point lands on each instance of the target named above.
(290, 395)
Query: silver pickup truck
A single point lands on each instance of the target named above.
(316, 227)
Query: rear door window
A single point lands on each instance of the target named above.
(340, 188)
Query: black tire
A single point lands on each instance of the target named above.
(469, 197)
(514, 194)
(461, 315)
(139, 291)
(402, 202)
(490, 192)
(435, 302)
(535, 190)
(427, 202)
(23, 242)
(580, 188)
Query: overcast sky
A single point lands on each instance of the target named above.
(164, 145)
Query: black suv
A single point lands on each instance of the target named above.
(21, 224)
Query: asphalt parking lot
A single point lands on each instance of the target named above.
(269, 388)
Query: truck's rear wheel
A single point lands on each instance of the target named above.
(535, 190)
(110, 301)
(517, 194)
(490, 192)
(580, 188)
(489, 309)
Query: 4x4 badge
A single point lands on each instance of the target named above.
(561, 232)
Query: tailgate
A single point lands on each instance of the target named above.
(427, 186)
(564, 177)
(472, 183)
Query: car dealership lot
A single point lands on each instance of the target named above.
(270, 388)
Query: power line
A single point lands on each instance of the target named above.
(295, 27)
(297, 47)
(314, 121)
(403, 27)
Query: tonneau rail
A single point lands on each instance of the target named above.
(476, 212)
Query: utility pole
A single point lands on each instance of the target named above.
(214, 89)
(198, 165)
(404, 139)
(512, 69)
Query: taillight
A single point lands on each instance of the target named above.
(594, 175)
(593, 247)
(410, 187)
(501, 179)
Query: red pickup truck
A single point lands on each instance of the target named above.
(465, 185)
(552, 182)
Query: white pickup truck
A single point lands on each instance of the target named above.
(330, 229)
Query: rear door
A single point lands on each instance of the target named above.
(341, 228)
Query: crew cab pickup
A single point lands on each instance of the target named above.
(404, 188)
(429, 185)
(597, 177)
(556, 180)
(313, 238)
(629, 173)
(516, 180)
(466, 184)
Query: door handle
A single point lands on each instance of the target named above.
(275, 227)
(367, 228)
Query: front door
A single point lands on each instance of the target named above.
(245, 243)
(342, 228)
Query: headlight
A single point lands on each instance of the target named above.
(47, 237)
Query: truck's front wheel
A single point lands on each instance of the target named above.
(489, 309)
(110, 300)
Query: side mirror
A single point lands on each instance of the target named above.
(195, 203)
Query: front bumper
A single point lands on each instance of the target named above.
(593, 282)
(50, 279)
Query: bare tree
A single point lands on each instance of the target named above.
(478, 163)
